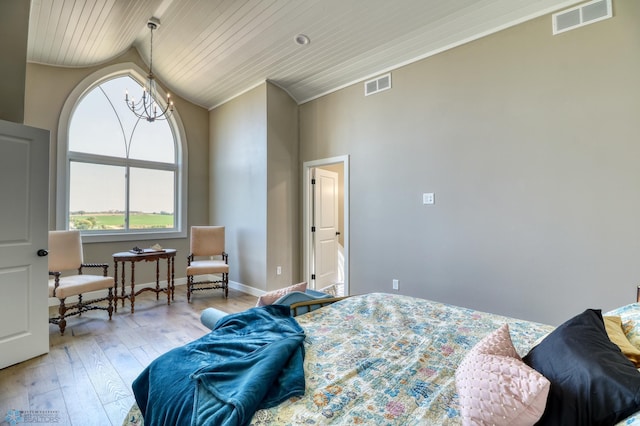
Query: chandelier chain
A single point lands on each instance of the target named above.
(147, 107)
(153, 27)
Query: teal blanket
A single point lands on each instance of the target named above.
(249, 361)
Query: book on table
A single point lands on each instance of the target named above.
(137, 250)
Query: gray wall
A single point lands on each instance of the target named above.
(254, 185)
(14, 30)
(283, 242)
(530, 143)
(238, 182)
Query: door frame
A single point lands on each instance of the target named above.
(307, 212)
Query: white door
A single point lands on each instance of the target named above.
(24, 194)
(325, 218)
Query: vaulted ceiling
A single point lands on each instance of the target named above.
(209, 51)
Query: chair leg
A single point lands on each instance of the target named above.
(189, 284)
(225, 279)
(110, 298)
(62, 323)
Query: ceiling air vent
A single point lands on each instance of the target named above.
(378, 84)
(579, 16)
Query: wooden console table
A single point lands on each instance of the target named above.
(133, 258)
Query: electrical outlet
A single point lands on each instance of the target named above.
(278, 270)
(395, 284)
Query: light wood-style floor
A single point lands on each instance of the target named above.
(86, 377)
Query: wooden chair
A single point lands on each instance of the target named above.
(207, 257)
(65, 254)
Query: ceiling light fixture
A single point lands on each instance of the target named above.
(302, 39)
(147, 107)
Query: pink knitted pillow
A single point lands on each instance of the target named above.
(272, 296)
(496, 387)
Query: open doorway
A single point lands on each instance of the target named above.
(326, 224)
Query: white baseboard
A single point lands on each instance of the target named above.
(178, 281)
(246, 289)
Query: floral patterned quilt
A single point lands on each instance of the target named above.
(388, 359)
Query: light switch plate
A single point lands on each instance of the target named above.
(428, 198)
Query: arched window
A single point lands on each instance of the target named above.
(124, 177)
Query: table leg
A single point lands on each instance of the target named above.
(173, 282)
(158, 279)
(133, 286)
(168, 280)
(122, 283)
(115, 285)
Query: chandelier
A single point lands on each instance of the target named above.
(147, 107)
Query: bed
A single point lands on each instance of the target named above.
(392, 359)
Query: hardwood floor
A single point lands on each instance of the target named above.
(86, 377)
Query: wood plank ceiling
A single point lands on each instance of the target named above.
(209, 51)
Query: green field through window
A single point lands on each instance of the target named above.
(116, 221)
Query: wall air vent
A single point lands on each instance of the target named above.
(579, 16)
(378, 84)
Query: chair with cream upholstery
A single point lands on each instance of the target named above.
(207, 258)
(65, 255)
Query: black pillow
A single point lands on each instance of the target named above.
(592, 382)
